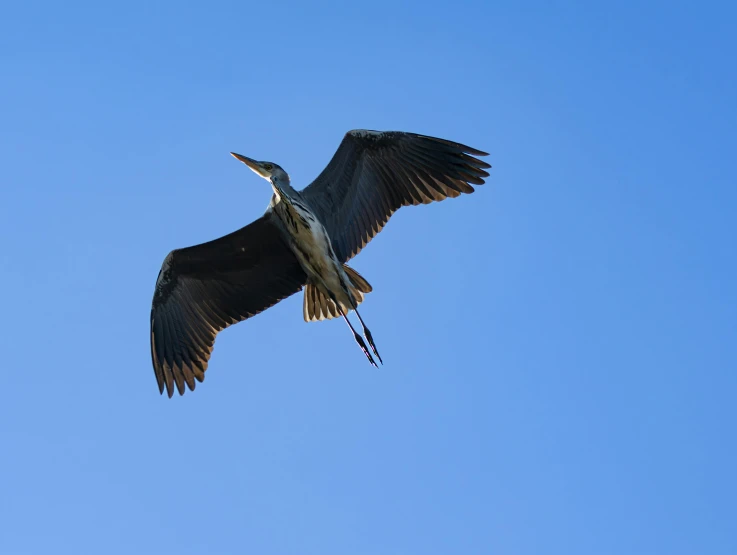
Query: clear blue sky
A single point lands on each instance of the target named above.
(560, 347)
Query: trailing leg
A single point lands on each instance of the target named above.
(358, 338)
(370, 339)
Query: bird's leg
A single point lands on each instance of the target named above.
(367, 333)
(357, 337)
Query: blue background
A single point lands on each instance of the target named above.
(560, 347)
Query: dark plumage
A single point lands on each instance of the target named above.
(205, 288)
(373, 174)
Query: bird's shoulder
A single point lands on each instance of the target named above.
(369, 137)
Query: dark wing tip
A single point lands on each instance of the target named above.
(459, 146)
(475, 152)
(179, 384)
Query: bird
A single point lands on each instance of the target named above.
(302, 241)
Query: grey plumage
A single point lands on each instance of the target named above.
(373, 174)
(205, 288)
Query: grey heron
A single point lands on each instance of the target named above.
(303, 240)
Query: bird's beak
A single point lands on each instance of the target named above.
(255, 166)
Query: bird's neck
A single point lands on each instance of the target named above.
(282, 189)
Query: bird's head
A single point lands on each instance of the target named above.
(267, 170)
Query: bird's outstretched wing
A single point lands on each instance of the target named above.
(206, 288)
(373, 174)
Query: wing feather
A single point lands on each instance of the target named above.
(373, 174)
(203, 289)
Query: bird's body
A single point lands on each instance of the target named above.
(302, 241)
(309, 241)
(328, 282)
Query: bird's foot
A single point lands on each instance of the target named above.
(371, 342)
(361, 344)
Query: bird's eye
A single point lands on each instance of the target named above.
(268, 167)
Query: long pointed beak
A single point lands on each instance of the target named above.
(248, 162)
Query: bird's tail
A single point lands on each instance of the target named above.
(359, 286)
(318, 306)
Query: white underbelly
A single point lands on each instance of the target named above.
(315, 252)
(311, 245)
